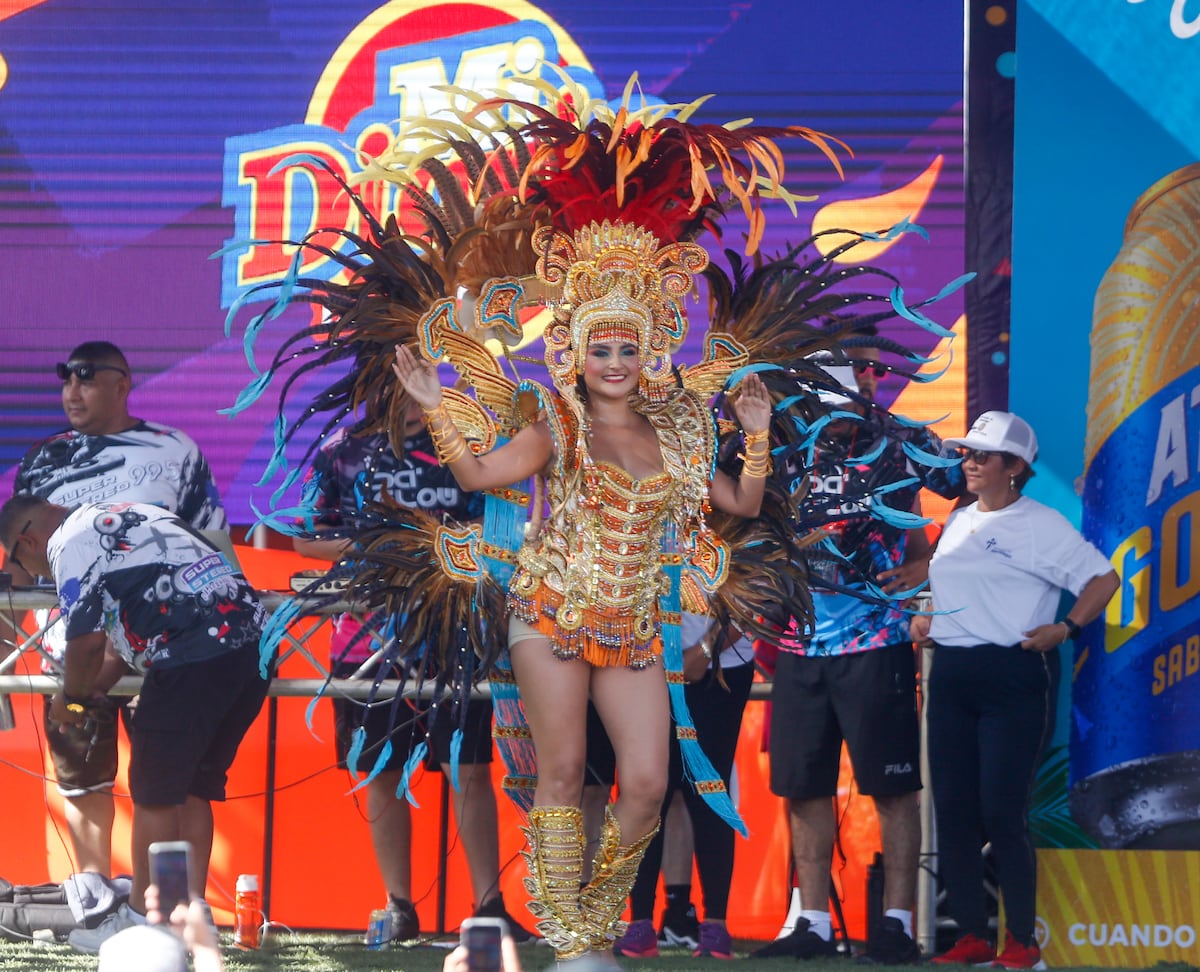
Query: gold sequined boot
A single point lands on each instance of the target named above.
(555, 862)
(614, 870)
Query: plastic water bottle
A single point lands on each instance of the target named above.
(247, 912)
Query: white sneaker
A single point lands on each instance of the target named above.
(88, 940)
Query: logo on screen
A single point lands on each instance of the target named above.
(389, 67)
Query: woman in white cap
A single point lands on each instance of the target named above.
(997, 576)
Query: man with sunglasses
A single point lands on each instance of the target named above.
(106, 455)
(868, 370)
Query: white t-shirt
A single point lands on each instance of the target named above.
(1001, 573)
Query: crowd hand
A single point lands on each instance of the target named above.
(418, 378)
(918, 628)
(1045, 637)
(192, 922)
(752, 404)
(456, 961)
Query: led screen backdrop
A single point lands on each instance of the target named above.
(137, 139)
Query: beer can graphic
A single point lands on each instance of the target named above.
(1135, 719)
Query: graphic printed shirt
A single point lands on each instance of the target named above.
(351, 470)
(865, 545)
(163, 594)
(149, 463)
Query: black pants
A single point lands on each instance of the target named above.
(717, 714)
(989, 713)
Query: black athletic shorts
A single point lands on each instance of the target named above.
(406, 726)
(188, 724)
(85, 756)
(867, 699)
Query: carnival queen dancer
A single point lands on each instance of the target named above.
(628, 458)
(638, 496)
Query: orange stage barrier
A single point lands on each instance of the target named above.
(319, 872)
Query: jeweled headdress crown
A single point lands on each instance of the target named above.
(617, 275)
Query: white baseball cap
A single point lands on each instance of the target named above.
(1000, 432)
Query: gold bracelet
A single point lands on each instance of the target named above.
(756, 460)
(754, 467)
(448, 442)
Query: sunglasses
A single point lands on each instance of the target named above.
(83, 370)
(861, 367)
(977, 456)
(12, 554)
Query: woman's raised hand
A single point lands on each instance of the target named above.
(752, 404)
(419, 378)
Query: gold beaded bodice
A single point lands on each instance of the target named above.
(595, 570)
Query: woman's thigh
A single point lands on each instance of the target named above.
(635, 708)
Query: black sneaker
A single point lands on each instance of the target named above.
(891, 946)
(494, 908)
(405, 924)
(802, 943)
(679, 929)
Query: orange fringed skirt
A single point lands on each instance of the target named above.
(601, 637)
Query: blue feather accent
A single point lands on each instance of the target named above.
(924, 377)
(286, 287)
(928, 458)
(288, 481)
(247, 396)
(735, 378)
(415, 759)
(912, 423)
(456, 744)
(273, 633)
(902, 227)
(897, 485)
(380, 762)
(956, 284)
(904, 519)
(310, 710)
(870, 457)
(357, 741)
(909, 314)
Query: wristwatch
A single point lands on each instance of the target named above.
(1072, 628)
(74, 705)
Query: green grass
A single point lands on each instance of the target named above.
(312, 952)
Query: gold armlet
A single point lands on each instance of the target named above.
(447, 440)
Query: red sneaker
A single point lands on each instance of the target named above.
(1018, 956)
(968, 950)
